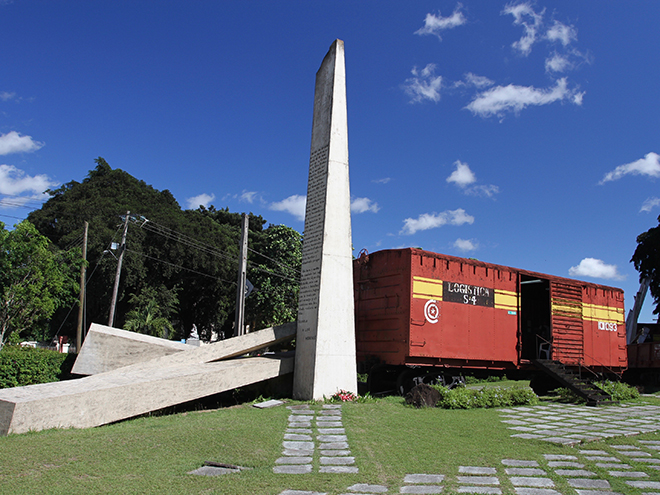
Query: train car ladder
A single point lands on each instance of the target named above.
(582, 387)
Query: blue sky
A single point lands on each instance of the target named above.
(518, 133)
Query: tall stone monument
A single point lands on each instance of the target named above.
(325, 339)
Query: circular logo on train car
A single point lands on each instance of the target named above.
(431, 311)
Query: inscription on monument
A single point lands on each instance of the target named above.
(308, 298)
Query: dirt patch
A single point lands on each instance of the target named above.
(423, 395)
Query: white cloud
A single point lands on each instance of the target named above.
(6, 95)
(465, 245)
(384, 180)
(13, 142)
(293, 204)
(513, 98)
(200, 200)
(649, 165)
(424, 86)
(562, 33)
(558, 63)
(14, 181)
(488, 191)
(592, 267)
(435, 24)
(525, 16)
(462, 176)
(360, 205)
(248, 196)
(649, 204)
(477, 81)
(433, 220)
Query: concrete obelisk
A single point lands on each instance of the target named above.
(325, 339)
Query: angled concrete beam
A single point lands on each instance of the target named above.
(109, 397)
(107, 348)
(143, 387)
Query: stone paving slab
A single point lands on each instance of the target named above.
(476, 470)
(335, 453)
(293, 469)
(535, 491)
(424, 478)
(519, 463)
(337, 461)
(366, 488)
(293, 460)
(556, 464)
(628, 474)
(574, 472)
(479, 480)
(655, 485)
(479, 489)
(588, 483)
(531, 481)
(338, 469)
(421, 489)
(525, 471)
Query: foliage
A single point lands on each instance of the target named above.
(467, 398)
(619, 391)
(647, 261)
(149, 316)
(34, 280)
(21, 366)
(274, 270)
(190, 254)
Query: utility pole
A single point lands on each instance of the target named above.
(81, 306)
(242, 277)
(115, 290)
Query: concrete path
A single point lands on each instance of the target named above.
(309, 429)
(580, 471)
(571, 424)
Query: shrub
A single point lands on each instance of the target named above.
(465, 398)
(619, 390)
(21, 366)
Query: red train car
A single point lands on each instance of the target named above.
(420, 311)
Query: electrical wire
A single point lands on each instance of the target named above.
(179, 266)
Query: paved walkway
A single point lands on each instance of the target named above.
(571, 424)
(583, 471)
(299, 448)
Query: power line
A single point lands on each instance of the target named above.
(179, 266)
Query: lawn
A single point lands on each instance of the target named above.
(154, 454)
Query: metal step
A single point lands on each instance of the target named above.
(589, 391)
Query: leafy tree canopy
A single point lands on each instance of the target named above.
(34, 280)
(647, 261)
(190, 256)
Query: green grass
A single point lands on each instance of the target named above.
(153, 454)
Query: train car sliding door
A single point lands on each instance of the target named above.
(535, 318)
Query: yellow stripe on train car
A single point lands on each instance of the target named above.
(595, 312)
(427, 288)
(506, 299)
(565, 307)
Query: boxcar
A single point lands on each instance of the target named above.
(425, 314)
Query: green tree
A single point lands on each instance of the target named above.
(191, 252)
(34, 280)
(151, 316)
(647, 261)
(274, 269)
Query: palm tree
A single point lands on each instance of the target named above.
(147, 319)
